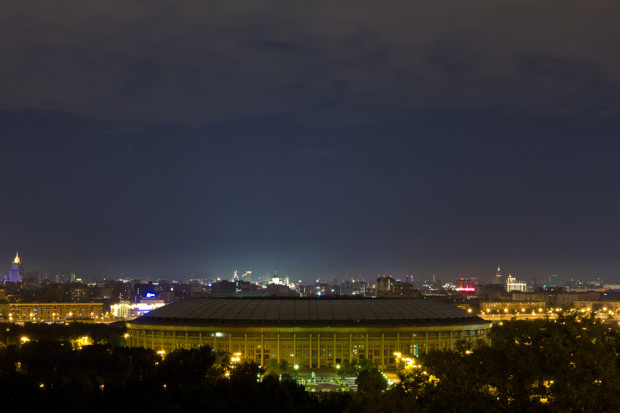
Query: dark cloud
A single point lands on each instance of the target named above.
(195, 62)
(313, 138)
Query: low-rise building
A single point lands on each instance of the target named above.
(53, 312)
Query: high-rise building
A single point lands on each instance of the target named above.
(498, 276)
(16, 275)
(67, 277)
(385, 286)
(351, 287)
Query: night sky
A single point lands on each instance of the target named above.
(312, 138)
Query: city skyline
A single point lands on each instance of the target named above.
(314, 140)
(64, 276)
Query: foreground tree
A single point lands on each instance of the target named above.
(571, 364)
(369, 380)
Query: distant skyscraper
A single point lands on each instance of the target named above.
(16, 275)
(350, 287)
(67, 277)
(498, 276)
(385, 286)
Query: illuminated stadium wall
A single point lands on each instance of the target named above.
(309, 332)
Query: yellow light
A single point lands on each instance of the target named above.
(24, 339)
(409, 362)
(81, 342)
(16, 260)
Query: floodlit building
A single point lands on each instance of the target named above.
(16, 274)
(310, 333)
(52, 312)
(513, 285)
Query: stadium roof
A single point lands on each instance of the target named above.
(307, 312)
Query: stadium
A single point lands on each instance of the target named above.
(310, 333)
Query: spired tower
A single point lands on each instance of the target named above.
(16, 275)
(498, 277)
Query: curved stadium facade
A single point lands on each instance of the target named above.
(311, 333)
